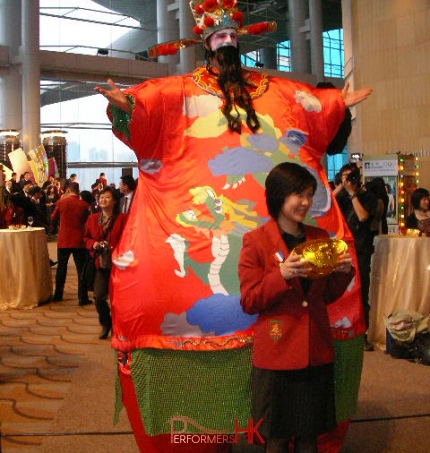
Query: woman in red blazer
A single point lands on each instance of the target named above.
(293, 383)
(12, 214)
(102, 233)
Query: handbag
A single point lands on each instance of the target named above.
(105, 258)
(104, 253)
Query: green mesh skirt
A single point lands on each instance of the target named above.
(210, 391)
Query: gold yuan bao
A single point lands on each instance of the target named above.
(322, 255)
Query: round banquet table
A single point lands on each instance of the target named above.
(25, 273)
(399, 280)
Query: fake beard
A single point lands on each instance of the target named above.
(230, 68)
(233, 85)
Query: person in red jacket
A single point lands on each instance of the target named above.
(102, 233)
(12, 213)
(72, 213)
(293, 354)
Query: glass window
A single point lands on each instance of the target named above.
(335, 162)
(333, 53)
(90, 142)
(284, 56)
(83, 27)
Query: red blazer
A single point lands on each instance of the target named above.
(72, 212)
(293, 329)
(94, 232)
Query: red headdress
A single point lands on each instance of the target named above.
(212, 16)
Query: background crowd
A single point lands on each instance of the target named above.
(87, 225)
(23, 198)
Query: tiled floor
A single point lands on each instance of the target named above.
(42, 353)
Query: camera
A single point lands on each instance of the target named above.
(354, 177)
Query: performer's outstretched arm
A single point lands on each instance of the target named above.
(355, 97)
(115, 96)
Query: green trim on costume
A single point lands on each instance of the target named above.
(120, 119)
(347, 374)
(208, 388)
(118, 404)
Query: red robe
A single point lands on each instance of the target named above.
(201, 187)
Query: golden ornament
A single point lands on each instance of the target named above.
(322, 255)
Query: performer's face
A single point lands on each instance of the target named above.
(223, 38)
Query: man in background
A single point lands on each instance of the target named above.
(72, 213)
(358, 207)
(127, 185)
(73, 178)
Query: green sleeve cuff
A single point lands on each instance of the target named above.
(120, 119)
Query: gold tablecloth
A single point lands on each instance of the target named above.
(25, 273)
(399, 279)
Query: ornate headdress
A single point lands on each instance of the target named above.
(212, 16)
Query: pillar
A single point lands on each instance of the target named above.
(167, 30)
(55, 144)
(300, 61)
(10, 74)
(9, 141)
(316, 30)
(268, 56)
(186, 24)
(30, 63)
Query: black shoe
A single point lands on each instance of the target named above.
(53, 263)
(104, 333)
(83, 302)
(57, 298)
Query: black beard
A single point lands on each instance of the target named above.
(233, 85)
(230, 67)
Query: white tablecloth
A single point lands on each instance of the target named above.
(399, 280)
(25, 273)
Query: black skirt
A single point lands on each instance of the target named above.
(293, 402)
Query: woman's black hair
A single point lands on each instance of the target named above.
(377, 187)
(417, 196)
(283, 180)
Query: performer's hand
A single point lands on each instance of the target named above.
(115, 96)
(355, 97)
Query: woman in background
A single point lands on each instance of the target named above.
(379, 223)
(419, 219)
(12, 214)
(102, 233)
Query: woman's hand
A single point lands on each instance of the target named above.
(345, 263)
(98, 245)
(293, 267)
